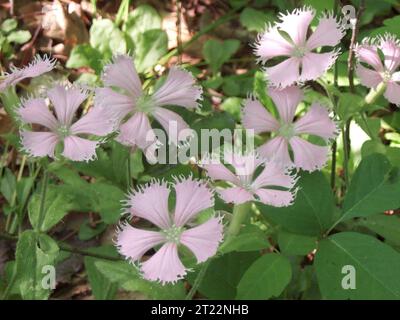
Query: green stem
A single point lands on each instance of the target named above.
(333, 165)
(346, 151)
(374, 94)
(43, 199)
(129, 171)
(123, 11)
(198, 280)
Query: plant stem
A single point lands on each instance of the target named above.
(374, 94)
(333, 165)
(43, 199)
(198, 280)
(123, 11)
(129, 171)
(346, 151)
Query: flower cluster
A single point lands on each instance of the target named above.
(55, 126)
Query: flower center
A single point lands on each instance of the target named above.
(287, 130)
(173, 234)
(299, 51)
(145, 104)
(386, 75)
(63, 131)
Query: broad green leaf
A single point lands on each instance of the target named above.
(19, 37)
(150, 46)
(267, 277)
(384, 225)
(233, 106)
(8, 185)
(311, 213)
(33, 254)
(84, 55)
(9, 25)
(143, 18)
(374, 188)
(216, 53)
(376, 266)
(348, 105)
(129, 278)
(56, 206)
(223, 274)
(250, 238)
(107, 38)
(296, 244)
(254, 20)
(102, 287)
(87, 232)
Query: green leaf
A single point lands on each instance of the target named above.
(374, 188)
(312, 211)
(223, 275)
(150, 46)
(233, 106)
(107, 38)
(56, 206)
(129, 278)
(296, 244)
(254, 20)
(8, 185)
(384, 225)
(87, 232)
(9, 25)
(102, 287)
(142, 19)
(250, 238)
(267, 277)
(376, 265)
(19, 37)
(216, 53)
(34, 252)
(83, 55)
(348, 105)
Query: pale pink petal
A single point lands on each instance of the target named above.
(178, 89)
(36, 111)
(217, 171)
(369, 78)
(285, 73)
(308, 156)
(328, 33)
(39, 144)
(276, 150)
(390, 47)
(192, 196)
(286, 101)
(37, 67)
(137, 131)
(97, 121)
(256, 117)
(276, 198)
(369, 54)
(79, 149)
(314, 65)
(133, 243)
(172, 122)
(296, 24)
(274, 175)
(118, 104)
(244, 164)
(151, 203)
(121, 73)
(236, 195)
(317, 122)
(164, 266)
(66, 101)
(204, 239)
(271, 44)
(392, 92)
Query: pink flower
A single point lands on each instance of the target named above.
(176, 228)
(37, 67)
(133, 107)
(246, 184)
(62, 128)
(367, 52)
(303, 62)
(315, 122)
